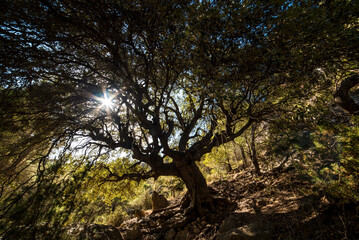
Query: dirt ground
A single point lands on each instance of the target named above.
(284, 206)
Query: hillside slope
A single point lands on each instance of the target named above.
(273, 206)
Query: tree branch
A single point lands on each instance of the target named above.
(345, 100)
(206, 145)
(137, 176)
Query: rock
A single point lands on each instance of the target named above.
(94, 231)
(229, 223)
(183, 235)
(157, 235)
(170, 234)
(158, 201)
(254, 231)
(139, 213)
(133, 233)
(196, 229)
(153, 223)
(203, 223)
(262, 203)
(150, 237)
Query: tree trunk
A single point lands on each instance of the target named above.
(235, 151)
(243, 153)
(200, 198)
(254, 152)
(228, 163)
(255, 160)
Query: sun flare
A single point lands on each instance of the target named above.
(106, 101)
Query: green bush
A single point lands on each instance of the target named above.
(116, 218)
(142, 201)
(333, 163)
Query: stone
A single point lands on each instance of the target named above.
(196, 229)
(229, 223)
(158, 201)
(133, 233)
(157, 235)
(262, 203)
(94, 231)
(153, 223)
(139, 213)
(170, 234)
(150, 237)
(253, 231)
(183, 235)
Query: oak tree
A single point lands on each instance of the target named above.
(165, 80)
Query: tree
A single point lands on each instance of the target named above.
(166, 80)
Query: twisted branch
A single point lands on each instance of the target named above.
(345, 100)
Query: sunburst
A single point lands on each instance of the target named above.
(106, 101)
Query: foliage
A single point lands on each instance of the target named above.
(320, 139)
(217, 162)
(337, 175)
(43, 205)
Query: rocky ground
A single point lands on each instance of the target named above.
(273, 206)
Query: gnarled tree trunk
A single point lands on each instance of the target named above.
(200, 199)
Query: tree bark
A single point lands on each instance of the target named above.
(255, 160)
(252, 150)
(228, 162)
(244, 157)
(200, 198)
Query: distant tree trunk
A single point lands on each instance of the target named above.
(244, 157)
(235, 150)
(254, 152)
(200, 198)
(228, 163)
(228, 166)
(237, 154)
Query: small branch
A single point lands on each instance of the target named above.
(207, 143)
(134, 165)
(345, 227)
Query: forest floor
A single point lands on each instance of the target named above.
(273, 206)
